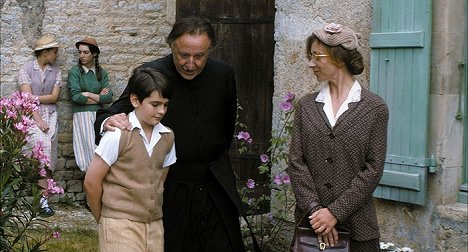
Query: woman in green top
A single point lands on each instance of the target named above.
(89, 90)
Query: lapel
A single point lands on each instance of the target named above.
(356, 111)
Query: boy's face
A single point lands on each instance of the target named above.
(151, 110)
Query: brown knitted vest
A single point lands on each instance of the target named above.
(132, 189)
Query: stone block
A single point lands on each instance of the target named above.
(63, 175)
(74, 186)
(80, 196)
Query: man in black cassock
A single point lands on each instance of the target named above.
(201, 204)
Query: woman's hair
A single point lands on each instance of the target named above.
(39, 52)
(351, 58)
(192, 26)
(145, 81)
(93, 49)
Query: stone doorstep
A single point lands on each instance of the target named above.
(450, 227)
(454, 215)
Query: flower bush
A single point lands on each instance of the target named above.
(21, 166)
(268, 228)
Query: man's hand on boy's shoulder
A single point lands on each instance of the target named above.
(117, 121)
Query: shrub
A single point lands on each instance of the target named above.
(20, 169)
(269, 228)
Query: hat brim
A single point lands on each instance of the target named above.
(77, 45)
(47, 46)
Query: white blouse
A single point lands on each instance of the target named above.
(324, 96)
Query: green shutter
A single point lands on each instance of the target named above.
(400, 73)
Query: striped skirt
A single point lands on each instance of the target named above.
(83, 138)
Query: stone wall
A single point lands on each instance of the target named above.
(128, 32)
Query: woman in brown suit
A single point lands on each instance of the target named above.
(339, 143)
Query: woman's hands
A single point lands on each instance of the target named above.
(324, 222)
(42, 125)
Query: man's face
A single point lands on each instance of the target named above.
(190, 53)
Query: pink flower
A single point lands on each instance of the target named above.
(333, 28)
(56, 235)
(282, 179)
(53, 188)
(286, 106)
(278, 180)
(264, 158)
(289, 97)
(21, 127)
(43, 172)
(250, 184)
(39, 154)
(244, 135)
(10, 114)
(286, 179)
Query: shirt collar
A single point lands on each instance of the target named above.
(136, 124)
(354, 94)
(93, 69)
(37, 67)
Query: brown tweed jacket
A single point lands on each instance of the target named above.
(340, 167)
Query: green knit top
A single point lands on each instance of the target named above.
(87, 82)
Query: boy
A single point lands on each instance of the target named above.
(124, 183)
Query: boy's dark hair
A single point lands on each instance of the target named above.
(145, 81)
(193, 26)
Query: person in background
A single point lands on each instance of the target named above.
(339, 142)
(42, 78)
(201, 204)
(124, 186)
(89, 90)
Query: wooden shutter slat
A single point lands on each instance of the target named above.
(397, 39)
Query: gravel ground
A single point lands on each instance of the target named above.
(71, 217)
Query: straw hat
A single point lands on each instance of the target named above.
(45, 43)
(88, 41)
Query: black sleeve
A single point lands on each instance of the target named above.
(121, 105)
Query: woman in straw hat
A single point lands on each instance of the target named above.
(338, 144)
(89, 88)
(42, 78)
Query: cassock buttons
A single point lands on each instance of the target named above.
(331, 135)
(329, 160)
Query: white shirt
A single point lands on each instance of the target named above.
(324, 96)
(108, 148)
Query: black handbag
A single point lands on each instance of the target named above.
(306, 240)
